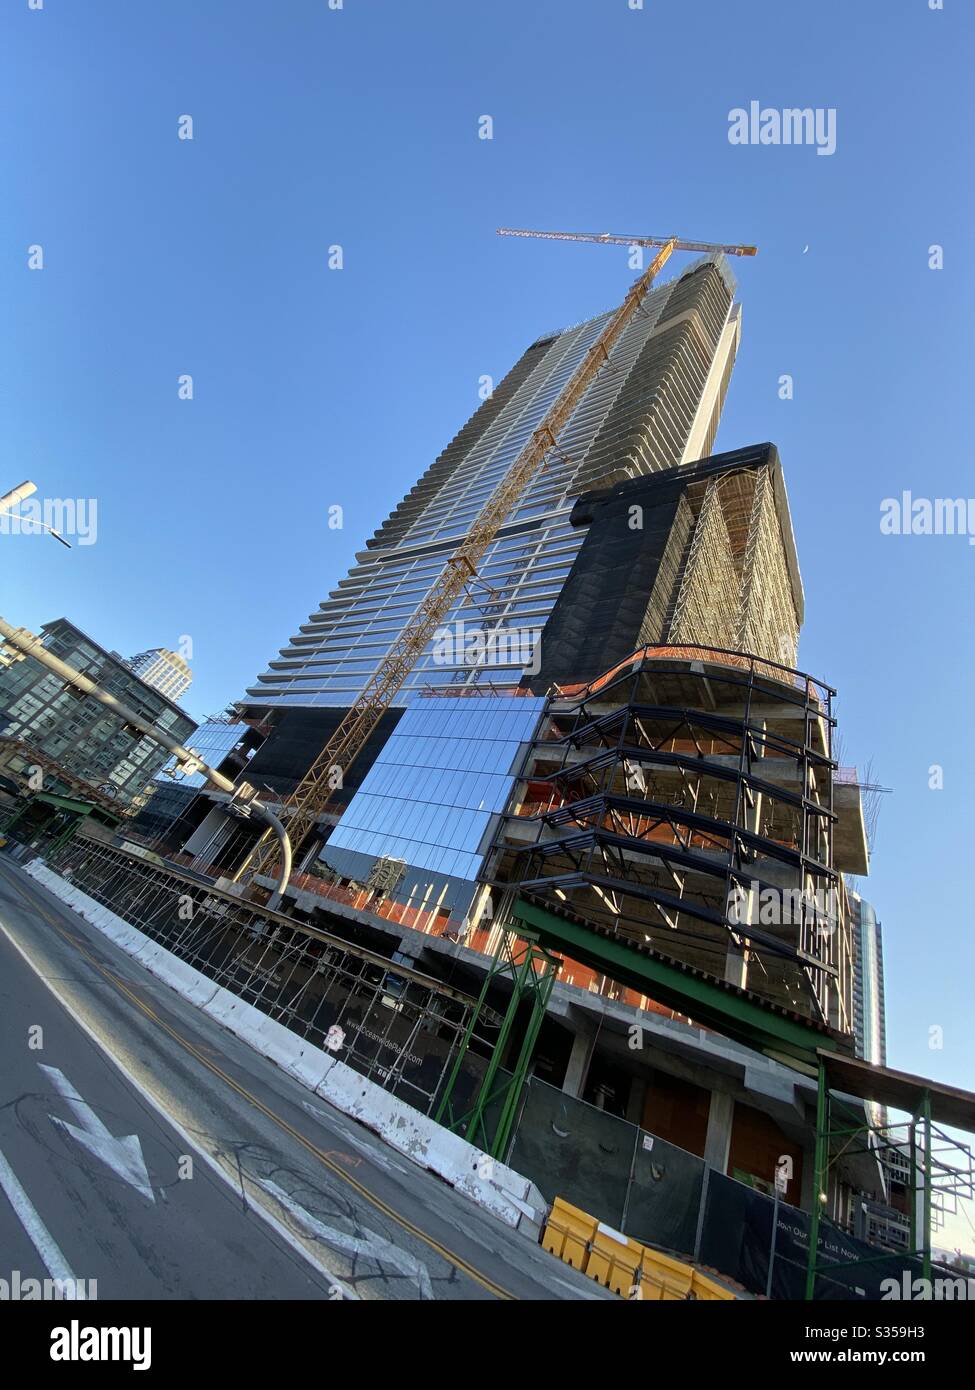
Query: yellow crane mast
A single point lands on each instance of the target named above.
(304, 805)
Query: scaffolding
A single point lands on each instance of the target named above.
(736, 590)
(767, 620)
(708, 600)
(388, 1021)
(844, 1129)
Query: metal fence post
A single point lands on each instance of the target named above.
(698, 1234)
(629, 1179)
(771, 1253)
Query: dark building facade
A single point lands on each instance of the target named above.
(703, 553)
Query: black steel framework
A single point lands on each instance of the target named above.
(668, 798)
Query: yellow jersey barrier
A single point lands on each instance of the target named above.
(619, 1263)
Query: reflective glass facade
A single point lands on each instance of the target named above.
(435, 793)
(213, 740)
(656, 407)
(172, 792)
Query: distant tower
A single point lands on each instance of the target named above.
(165, 671)
(869, 1012)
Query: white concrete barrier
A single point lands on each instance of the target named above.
(187, 981)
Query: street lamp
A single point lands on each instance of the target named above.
(10, 499)
(17, 494)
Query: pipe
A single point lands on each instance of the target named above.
(31, 645)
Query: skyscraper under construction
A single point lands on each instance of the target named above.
(645, 785)
(657, 407)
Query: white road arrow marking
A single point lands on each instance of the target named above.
(123, 1156)
(368, 1246)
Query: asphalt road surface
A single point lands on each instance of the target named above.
(144, 1147)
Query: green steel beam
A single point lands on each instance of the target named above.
(515, 960)
(820, 1180)
(727, 1011)
(922, 1189)
(540, 988)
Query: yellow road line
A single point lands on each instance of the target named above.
(497, 1289)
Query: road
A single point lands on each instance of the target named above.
(146, 1148)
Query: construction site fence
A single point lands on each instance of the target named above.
(400, 1029)
(403, 1031)
(668, 1199)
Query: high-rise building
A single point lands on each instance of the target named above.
(40, 713)
(656, 406)
(608, 730)
(698, 554)
(869, 1013)
(167, 671)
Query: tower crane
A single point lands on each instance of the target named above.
(304, 804)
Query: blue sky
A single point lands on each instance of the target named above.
(314, 387)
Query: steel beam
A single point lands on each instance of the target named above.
(708, 1001)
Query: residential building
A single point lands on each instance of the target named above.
(40, 713)
(167, 671)
(869, 1013)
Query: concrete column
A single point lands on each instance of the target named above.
(717, 1143)
(634, 1106)
(579, 1059)
(216, 821)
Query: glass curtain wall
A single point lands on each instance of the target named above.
(332, 657)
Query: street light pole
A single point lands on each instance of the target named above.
(243, 796)
(17, 494)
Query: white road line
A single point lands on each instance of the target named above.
(578, 1293)
(190, 1142)
(40, 1237)
(367, 1246)
(123, 1156)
